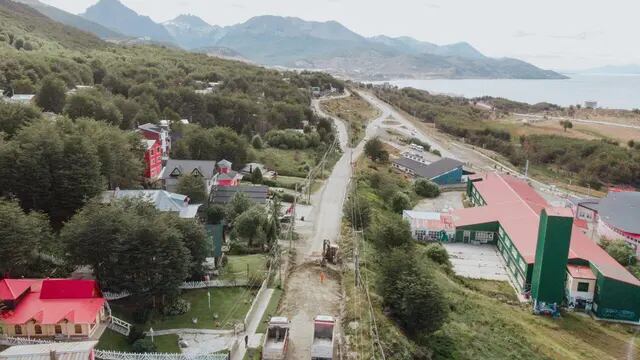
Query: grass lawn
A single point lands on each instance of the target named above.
(237, 266)
(111, 340)
(287, 162)
(230, 304)
(272, 310)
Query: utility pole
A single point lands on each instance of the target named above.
(293, 219)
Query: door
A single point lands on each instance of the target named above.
(466, 236)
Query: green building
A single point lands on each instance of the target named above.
(547, 257)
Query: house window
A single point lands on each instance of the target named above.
(583, 286)
(38, 329)
(176, 172)
(78, 329)
(58, 329)
(18, 329)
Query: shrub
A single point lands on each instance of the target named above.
(375, 150)
(426, 188)
(400, 201)
(178, 307)
(256, 142)
(438, 254)
(136, 333)
(144, 346)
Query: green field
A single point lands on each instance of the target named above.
(239, 266)
(229, 304)
(112, 340)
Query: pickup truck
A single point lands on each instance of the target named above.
(322, 346)
(276, 341)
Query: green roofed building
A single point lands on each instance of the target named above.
(547, 257)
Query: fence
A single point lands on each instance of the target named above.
(187, 285)
(117, 355)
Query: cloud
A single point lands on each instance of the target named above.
(579, 36)
(522, 34)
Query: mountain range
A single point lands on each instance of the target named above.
(295, 43)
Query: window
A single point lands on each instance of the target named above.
(18, 329)
(583, 286)
(58, 329)
(1, 331)
(176, 172)
(38, 330)
(78, 329)
(484, 236)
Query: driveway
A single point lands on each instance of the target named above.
(476, 261)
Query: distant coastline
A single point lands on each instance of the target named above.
(610, 91)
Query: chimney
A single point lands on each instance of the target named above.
(186, 201)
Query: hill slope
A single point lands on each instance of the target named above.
(22, 20)
(114, 15)
(76, 21)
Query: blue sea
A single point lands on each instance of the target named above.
(610, 91)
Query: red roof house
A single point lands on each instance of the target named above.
(50, 307)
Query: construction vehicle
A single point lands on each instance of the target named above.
(323, 336)
(276, 340)
(329, 252)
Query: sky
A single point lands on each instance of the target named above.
(553, 34)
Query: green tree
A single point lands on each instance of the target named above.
(566, 124)
(194, 238)
(238, 204)
(14, 116)
(390, 231)
(374, 149)
(400, 202)
(23, 86)
(52, 94)
(215, 214)
(256, 176)
(411, 293)
(193, 186)
(21, 236)
(131, 246)
(619, 250)
(256, 142)
(426, 188)
(250, 227)
(357, 210)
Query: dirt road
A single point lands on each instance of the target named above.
(306, 296)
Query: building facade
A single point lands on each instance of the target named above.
(546, 255)
(152, 158)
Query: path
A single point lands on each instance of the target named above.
(253, 322)
(306, 296)
(584, 121)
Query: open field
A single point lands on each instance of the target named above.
(580, 130)
(230, 305)
(111, 340)
(287, 162)
(241, 266)
(355, 111)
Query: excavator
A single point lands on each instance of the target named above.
(329, 252)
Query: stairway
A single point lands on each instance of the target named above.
(120, 326)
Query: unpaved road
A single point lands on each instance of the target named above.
(306, 296)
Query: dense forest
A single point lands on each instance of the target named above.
(594, 162)
(77, 139)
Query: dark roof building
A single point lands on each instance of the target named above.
(621, 210)
(443, 172)
(223, 194)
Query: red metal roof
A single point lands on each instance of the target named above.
(517, 206)
(69, 289)
(54, 300)
(580, 272)
(11, 289)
